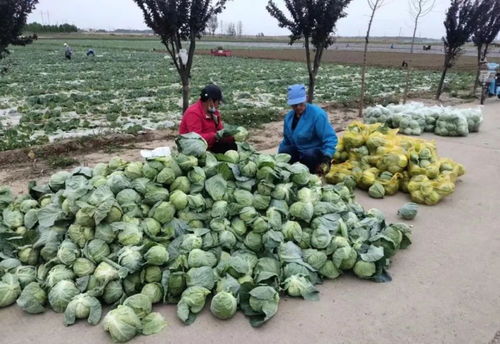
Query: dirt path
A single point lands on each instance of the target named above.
(378, 59)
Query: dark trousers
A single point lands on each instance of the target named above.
(223, 146)
(312, 158)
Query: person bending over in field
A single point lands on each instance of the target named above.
(204, 118)
(308, 135)
(67, 51)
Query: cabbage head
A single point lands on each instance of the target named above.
(25, 274)
(264, 300)
(140, 303)
(157, 255)
(179, 199)
(376, 190)
(302, 210)
(345, 257)
(32, 298)
(62, 294)
(122, 324)
(364, 269)
(112, 292)
(408, 211)
(198, 258)
(153, 323)
(192, 302)
(298, 285)
(10, 289)
(83, 306)
(130, 257)
(154, 291)
(223, 305)
(83, 267)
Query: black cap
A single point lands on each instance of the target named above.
(211, 92)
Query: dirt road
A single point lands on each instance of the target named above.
(445, 288)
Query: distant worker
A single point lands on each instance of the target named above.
(67, 52)
(308, 135)
(204, 118)
(90, 53)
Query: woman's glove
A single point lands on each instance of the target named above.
(324, 166)
(221, 134)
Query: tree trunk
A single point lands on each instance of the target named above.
(410, 60)
(485, 52)
(363, 69)
(476, 79)
(186, 92)
(185, 73)
(310, 91)
(443, 76)
(312, 79)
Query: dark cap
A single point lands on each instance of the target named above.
(211, 92)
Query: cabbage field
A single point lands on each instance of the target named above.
(128, 87)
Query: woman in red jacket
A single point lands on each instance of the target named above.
(204, 118)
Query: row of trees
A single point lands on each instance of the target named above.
(465, 20)
(231, 29)
(314, 22)
(234, 30)
(39, 28)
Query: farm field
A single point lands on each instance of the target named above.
(129, 88)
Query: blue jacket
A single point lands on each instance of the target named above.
(313, 131)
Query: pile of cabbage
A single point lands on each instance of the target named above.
(235, 231)
(377, 159)
(416, 118)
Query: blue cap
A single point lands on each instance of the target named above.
(296, 94)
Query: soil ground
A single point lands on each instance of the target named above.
(445, 287)
(378, 59)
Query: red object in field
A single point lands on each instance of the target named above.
(221, 52)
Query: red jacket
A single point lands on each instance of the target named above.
(196, 120)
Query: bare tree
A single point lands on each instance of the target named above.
(374, 6)
(13, 14)
(239, 28)
(418, 9)
(460, 23)
(486, 33)
(314, 21)
(231, 30)
(176, 22)
(213, 23)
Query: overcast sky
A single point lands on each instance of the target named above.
(391, 20)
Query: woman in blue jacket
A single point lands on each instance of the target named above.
(308, 135)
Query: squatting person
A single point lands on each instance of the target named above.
(308, 135)
(204, 118)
